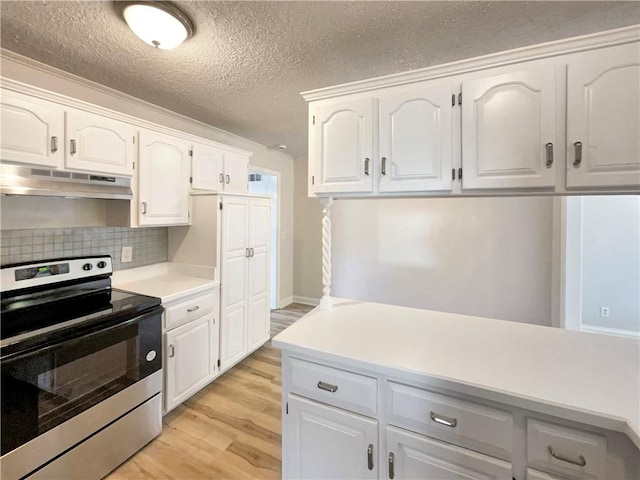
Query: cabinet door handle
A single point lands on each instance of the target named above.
(172, 351)
(370, 456)
(228, 179)
(383, 170)
(442, 420)
(251, 252)
(221, 178)
(246, 252)
(54, 144)
(391, 472)
(144, 208)
(327, 387)
(72, 147)
(580, 461)
(549, 151)
(578, 154)
(193, 309)
(366, 166)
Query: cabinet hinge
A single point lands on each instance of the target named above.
(134, 139)
(313, 180)
(191, 152)
(460, 173)
(220, 205)
(453, 99)
(190, 179)
(314, 120)
(460, 98)
(453, 174)
(134, 165)
(287, 408)
(218, 363)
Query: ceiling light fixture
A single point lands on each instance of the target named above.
(160, 24)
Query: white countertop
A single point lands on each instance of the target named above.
(169, 281)
(585, 377)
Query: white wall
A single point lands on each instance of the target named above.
(48, 78)
(479, 256)
(611, 261)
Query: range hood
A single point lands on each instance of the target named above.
(19, 180)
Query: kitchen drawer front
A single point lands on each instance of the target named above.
(186, 310)
(566, 452)
(467, 424)
(348, 390)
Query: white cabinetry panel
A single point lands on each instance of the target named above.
(507, 121)
(207, 168)
(32, 130)
(416, 140)
(343, 146)
(236, 173)
(603, 114)
(329, 443)
(98, 144)
(418, 457)
(163, 192)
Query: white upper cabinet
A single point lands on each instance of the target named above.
(163, 180)
(98, 144)
(509, 129)
(219, 170)
(603, 118)
(416, 140)
(342, 146)
(32, 130)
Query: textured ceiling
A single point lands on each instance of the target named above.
(248, 61)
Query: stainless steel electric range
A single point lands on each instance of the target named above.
(81, 369)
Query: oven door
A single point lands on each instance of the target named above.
(45, 392)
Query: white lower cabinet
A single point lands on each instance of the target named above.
(329, 443)
(412, 456)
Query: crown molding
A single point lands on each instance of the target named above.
(134, 101)
(533, 52)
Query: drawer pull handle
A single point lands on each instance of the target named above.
(391, 472)
(193, 309)
(442, 420)
(327, 387)
(370, 456)
(580, 461)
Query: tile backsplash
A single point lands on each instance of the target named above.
(149, 244)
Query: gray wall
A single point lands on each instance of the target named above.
(611, 261)
(488, 257)
(149, 244)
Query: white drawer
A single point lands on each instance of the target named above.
(184, 311)
(467, 424)
(333, 386)
(566, 452)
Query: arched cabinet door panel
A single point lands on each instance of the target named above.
(510, 132)
(342, 146)
(416, 140)
(603, 118)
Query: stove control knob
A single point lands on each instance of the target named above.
(102, 264)
(87, 266)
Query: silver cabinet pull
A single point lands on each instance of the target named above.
(327, 387)
(580, 461)
(442, 420)
(366, 166)
(246, 252)
(578, 154)
(228, 179)
(251, 252)
(370, 456)
(54, 144)
(221, 178)
(144, 208)
(391, 472)
(384, 166)
(72, 147)
(549, 149)
(193, 309)
(172, 351)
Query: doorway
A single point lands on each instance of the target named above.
(267, 182)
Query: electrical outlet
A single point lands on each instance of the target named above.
(127, 254)
(604, 311)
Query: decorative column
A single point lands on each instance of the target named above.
(326, 301)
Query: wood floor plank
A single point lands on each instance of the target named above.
(232, 429)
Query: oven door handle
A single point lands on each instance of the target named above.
(39, 348)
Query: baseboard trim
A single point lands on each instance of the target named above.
(283, 302)
(610, 331)
(314, 302)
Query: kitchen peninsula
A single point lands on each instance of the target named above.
(455, 393)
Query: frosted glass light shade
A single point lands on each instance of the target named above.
(157, 25)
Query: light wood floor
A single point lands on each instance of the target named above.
(229, 430)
